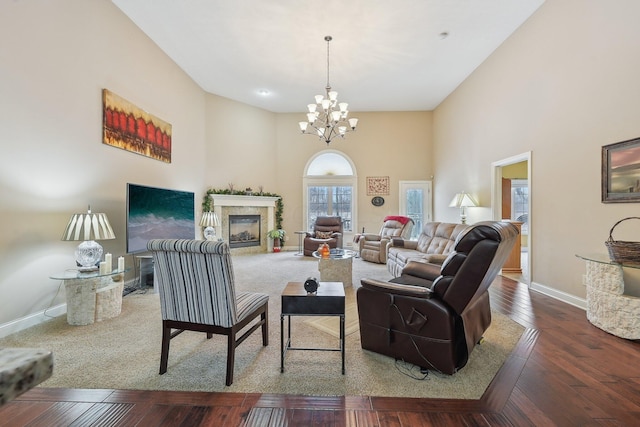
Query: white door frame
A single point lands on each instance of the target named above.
(427, 202)
(496, 199)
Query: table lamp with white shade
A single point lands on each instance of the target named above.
(462, 200)
(88, 227)
(210, 221)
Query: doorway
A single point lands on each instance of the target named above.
(511, 200)
(415, 202)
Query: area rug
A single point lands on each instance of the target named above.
(331, 324)
(124, 352)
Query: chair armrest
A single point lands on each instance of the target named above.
(396, 288)
(370, 236)
(399, 242)
(422, 270)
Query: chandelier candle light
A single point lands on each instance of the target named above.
(327, 118)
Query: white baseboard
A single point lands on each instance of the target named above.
(559, 295)
(33, 319)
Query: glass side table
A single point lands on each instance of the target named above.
(92, 296)
(608, 307)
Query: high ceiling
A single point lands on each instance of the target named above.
(400, 55)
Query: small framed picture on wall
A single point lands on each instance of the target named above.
(621, 172)
(377, 185)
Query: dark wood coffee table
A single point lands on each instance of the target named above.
(327, 301)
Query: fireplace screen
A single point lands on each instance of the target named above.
(244, 230)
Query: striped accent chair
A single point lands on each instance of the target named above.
(197, 293)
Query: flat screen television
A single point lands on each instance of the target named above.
(158, 213)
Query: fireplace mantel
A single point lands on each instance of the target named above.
(223, 204)
(234, 200)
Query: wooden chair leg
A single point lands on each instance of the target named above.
(231, 355)
(164, 350)
(265, 328)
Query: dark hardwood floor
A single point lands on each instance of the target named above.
(563, 372)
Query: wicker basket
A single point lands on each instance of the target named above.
(623, 252)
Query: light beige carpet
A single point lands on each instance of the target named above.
(331, 324)
(124, 352)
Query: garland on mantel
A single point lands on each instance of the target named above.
(206, 203)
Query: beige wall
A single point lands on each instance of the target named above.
(240, 146)
(395, 144)
(56, 57)
(562, 86)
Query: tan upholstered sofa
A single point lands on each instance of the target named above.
(432, 247)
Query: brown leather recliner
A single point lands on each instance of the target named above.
(435, 322)
(373, 247)
(327, 229)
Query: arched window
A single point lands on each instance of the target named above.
(329, 186)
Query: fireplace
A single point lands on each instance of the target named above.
(244, 231)
(226, 205)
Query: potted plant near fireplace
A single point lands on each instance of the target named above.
(277, 235)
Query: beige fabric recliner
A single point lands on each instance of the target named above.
(373, 247)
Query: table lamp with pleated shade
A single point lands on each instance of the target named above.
(88, 227)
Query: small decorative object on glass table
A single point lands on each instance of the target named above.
(337, 267)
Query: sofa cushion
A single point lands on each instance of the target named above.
(438, 237)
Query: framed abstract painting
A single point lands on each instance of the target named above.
(127, 127)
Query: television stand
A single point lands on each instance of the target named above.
(145, 271)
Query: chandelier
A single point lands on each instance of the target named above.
(327, 118)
